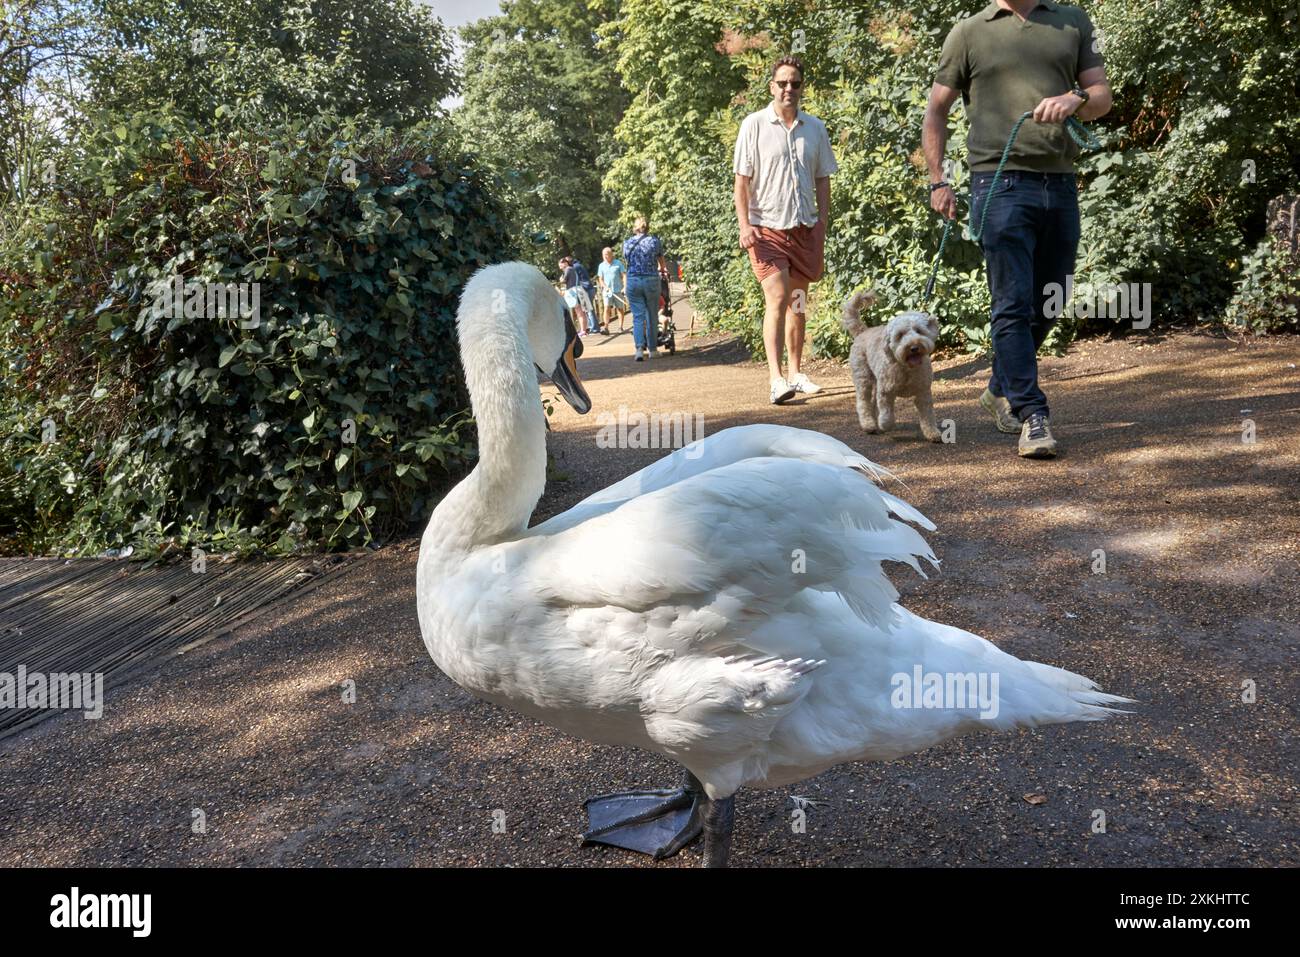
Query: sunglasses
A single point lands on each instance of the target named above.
(792, 84)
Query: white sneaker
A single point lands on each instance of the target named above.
(782, 391)
(638, 355)
(801, 383)
(651, 354)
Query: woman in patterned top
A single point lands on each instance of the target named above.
(644, 255)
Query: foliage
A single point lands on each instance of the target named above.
(541, 101)
(122, 425)
(37, 38)
(1206, 129)
(388, 61)
(1267, 295)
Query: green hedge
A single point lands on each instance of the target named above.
(334, 419)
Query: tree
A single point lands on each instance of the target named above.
(388, 61)
(42, 44)
(541, 101)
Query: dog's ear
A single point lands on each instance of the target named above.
(894, 333)
(932, 326)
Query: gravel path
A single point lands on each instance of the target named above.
(250, 735)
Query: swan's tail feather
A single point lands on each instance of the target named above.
(1080, 688)
(1091, 703)
(1014, 693)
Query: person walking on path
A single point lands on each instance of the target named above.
(589, 290)
(783, 165)
(572, 293)
(1015, 56)
(644, 255)
(612, 276)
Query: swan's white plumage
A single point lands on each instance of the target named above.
(725, 606)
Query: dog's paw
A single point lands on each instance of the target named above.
(932, 435)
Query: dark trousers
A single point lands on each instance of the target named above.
(1030, 241)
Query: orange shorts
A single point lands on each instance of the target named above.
(798, 251)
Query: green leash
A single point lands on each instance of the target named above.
(1078, 132)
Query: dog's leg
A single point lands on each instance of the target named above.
(866, 395)
(884, 410)
(925, 412)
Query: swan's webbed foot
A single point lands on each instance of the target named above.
(655, 822)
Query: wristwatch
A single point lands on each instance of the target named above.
(934, 186)
(1081, 93)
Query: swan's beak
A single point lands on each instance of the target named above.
(565, 374)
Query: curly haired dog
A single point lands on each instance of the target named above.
(889, 362)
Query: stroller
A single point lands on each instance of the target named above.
(667, 330)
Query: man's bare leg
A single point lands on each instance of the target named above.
(776, 298)
(796, 324)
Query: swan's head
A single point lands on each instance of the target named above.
(556, 346)
(514, 306)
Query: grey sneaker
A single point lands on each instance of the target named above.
(1036, 440)
(801, 383)
(782, 391)
(998, 407)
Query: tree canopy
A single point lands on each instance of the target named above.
(542, 101)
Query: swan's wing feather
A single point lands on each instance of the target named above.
(720, 552)
(695, 579)
(724, 448)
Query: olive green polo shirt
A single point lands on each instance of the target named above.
(1003, 67)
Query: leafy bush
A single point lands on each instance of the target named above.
(1206, 128)
(1267, 296)
(330, 417)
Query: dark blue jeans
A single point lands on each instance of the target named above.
(1029, 242)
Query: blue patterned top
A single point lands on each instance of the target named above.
(642, 254)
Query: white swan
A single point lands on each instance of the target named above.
(725, 607)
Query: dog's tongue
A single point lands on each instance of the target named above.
(914, 359)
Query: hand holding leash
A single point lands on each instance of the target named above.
(943, 200)
(1057, 109)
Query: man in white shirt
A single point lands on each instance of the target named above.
(783, 165)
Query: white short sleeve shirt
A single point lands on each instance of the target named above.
(784, 166)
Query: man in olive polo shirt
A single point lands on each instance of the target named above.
(1013, 56)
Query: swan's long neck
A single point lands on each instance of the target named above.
(493, 503)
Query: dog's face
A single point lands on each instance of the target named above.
(911, 337)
